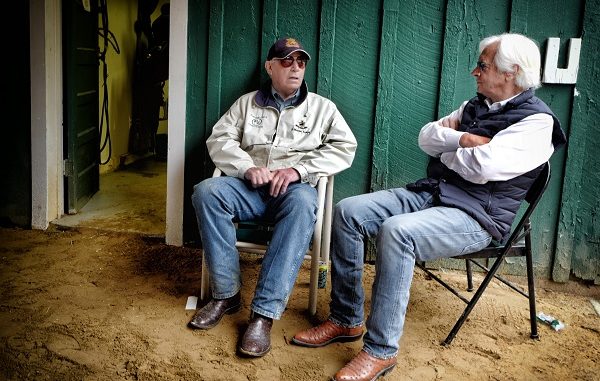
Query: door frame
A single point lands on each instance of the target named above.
(47, 199)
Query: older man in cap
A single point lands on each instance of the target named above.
(273, 144)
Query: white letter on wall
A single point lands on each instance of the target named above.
(552, 74)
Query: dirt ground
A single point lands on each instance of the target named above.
(91, 305)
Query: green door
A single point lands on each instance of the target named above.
(80, 78)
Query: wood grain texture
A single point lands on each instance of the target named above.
(578, 244)
(393, 65)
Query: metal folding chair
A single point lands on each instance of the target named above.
(518, 245)
(253, 237)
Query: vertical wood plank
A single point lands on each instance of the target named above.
(270, 28)
(241, 63)
(270, 31)
(347, 74)
(467, 22)
(197, 164)
(326, 46)
(409, 73)
(385, 95)
(539, 20)
(578, 243)
(294, 18)
(214, 84)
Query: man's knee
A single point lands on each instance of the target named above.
(205, 190)
(392, 230)
(401, 233)
(303, 199)
(349, 209)
(305, 194)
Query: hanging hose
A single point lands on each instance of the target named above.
(109, 38)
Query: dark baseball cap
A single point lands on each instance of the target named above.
(284, 47)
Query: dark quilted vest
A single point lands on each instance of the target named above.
(494, 204)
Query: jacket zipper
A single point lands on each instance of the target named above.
(274, 135)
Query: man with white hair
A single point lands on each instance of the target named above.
(484, 158)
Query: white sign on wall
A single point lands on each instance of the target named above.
(552, 74)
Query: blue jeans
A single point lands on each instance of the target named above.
(221, 201)
(407, 228)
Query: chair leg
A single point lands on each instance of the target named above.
(469, 275)
(431, 275)
(530, 284)
(488, 278)
(316, 248)
(327, 217)
(204, 283)
(314, 283)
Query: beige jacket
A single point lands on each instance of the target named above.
(312, 137)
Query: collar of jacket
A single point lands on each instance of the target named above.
(264, 98)
(524, 96)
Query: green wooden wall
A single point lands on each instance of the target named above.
(391, 66)
(578, 243)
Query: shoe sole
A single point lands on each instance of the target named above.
(254, 354)
(229, 311)
(340, 339)
(382, 373)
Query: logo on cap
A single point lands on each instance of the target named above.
(292, 43)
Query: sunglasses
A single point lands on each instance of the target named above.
(483, 66)
(289, 61)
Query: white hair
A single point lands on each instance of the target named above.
(516, 54)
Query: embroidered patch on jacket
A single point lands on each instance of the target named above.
(301, 127)
(257, 120)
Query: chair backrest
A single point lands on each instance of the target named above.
(539, 186)
(533, 196)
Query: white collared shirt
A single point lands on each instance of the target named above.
(512, 152)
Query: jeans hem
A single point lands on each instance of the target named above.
(226, 295)
(265, 313)
(377, 356)
(337, 322)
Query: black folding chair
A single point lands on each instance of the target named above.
(518, 245)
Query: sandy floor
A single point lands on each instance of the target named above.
(89, 305)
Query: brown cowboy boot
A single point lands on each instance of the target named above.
(365, 367)
(325, 333)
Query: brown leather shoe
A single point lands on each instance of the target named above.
(326, 333)
(365, 367)
(209, 315)
(257, 339)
